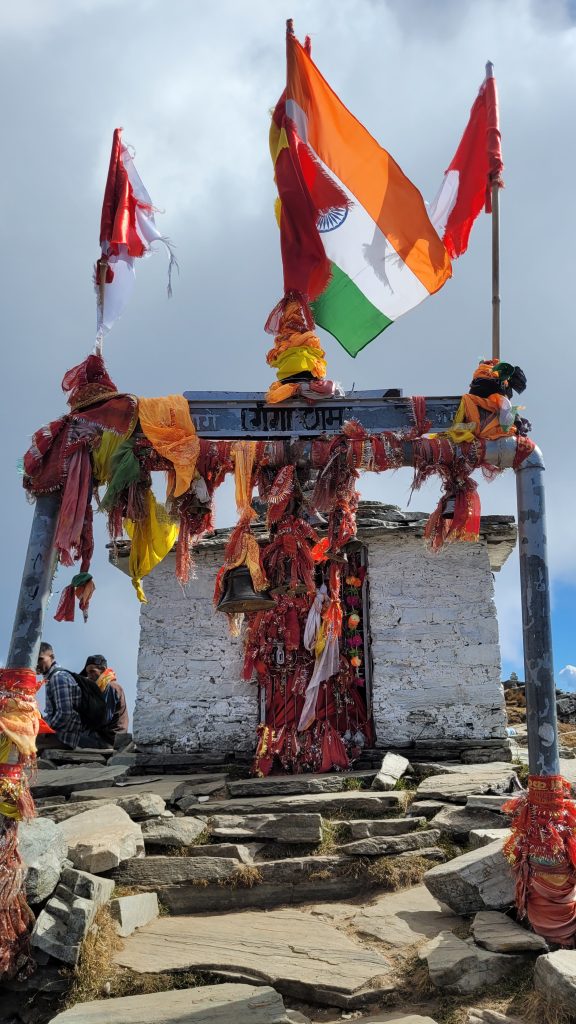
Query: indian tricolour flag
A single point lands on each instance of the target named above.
(382, 254)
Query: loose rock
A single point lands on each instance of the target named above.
(479, 880)
(501, 934)
(555, 978)
(392, 768)
(284, 828)
(385, 846)
(63, 924)
(101, 839)
(43, 850)
(172, 831)
(495, 778)
(456, 823)
(460, 968)
(132, 912)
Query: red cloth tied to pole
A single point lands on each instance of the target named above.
(542, 852)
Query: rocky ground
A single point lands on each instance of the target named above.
(376, 895)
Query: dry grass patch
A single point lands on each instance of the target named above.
(351, 783)
(333, 835)
(95, 969)
(413, 979)
(245, 876)
(394, 873)
(513, 996)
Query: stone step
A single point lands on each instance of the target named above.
(212, 1004)
(479, 779)
(287, 785)
(360, 828)
(184, 888)
(297, 954)
(368, 804)
(80, 756)
(479, 880)
(389, 846)
(66, 780)
(283, 828)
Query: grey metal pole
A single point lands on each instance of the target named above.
(36, 584)
(543, 754)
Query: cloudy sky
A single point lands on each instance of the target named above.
(192, 85)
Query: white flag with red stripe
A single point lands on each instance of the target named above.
(127, 231)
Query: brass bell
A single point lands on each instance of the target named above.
(239, 594)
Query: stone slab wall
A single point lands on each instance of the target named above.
(434, 643)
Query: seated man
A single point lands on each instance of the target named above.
(63, 697)
(96, 669)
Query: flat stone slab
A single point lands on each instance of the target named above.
(64, 781)
(488, 803)
(456, 822)
(155, 871)
(369, 804)
(496, 778)
(43, 850)
(131, 912)
(293, 785)
(401, 918)
(555, 978)
(479, 880)
(485, 836)
(361, 828)
(163, 786)
(212, 1004)
(387, 846)
(283, 828)
(501, 934)
(299, 956)
(425, 808)
(234, 851)
(82, 756)
(172, 831)
(101, 839)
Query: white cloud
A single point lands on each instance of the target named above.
(567, 678)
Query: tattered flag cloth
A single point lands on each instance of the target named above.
(475, 167)
(356, 236)
(127, 231)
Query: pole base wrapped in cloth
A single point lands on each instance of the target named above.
(542, 851)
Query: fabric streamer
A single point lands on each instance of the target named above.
(327, 661)
(152, 539)
(542, 852)
(19, 714)
(167, 424)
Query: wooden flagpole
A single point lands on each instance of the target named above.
(495, 190)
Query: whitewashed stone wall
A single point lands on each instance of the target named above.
(190, 692)
(434, 643)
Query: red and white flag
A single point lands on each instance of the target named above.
(127, 231)
(475, 167)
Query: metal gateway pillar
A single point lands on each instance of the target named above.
(39, 568)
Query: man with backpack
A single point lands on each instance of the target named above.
(75, 707)
(97, 671)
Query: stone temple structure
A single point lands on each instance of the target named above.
(430, 635)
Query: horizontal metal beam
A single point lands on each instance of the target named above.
(225, 414)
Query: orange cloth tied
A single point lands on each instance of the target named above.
(19, 714)
(168, 425)
(106, 677)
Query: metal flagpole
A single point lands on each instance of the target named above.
(495, 190)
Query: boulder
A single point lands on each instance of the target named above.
(479, 880)
(497, 778)
(140, 806)
(210, 1004)
(499, 933)
(101, 839)
(460, 968)
(555, 979)
(485, 836)
(43, 850)
(392, 768)
(132, 912)
(172, 831)
(284, 828)
(386, 846)
(456, 822)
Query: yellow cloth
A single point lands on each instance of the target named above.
(151, 542)
(102, 456)
(468, 415)
(168, 425)
(298, 360)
